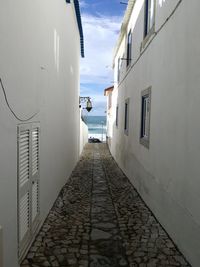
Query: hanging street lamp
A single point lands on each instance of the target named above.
(87, 99)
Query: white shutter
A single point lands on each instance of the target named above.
(28, 183)
(24, 140)
(35, 174)
(35, 200)
(24, 215)
(23, 185)
(35, 150)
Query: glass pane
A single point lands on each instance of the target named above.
(117, 116)
(129, 41)
(125, 122)
(146, 115)
(150, 14)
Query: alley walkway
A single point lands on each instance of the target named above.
(99, 220)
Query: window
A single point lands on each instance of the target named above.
(118, 69)
(149, 17)
(117, 115)
(126, 117)
(145, 117)
(129, 46)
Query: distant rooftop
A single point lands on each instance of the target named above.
(108, 90)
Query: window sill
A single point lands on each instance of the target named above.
(147, 38)
(128, 66)
(145, 142)
(126, 132)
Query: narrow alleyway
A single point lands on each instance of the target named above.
(99, 220)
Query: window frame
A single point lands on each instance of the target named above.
(126, 116)
(118, 69)
(117, 116)
(145, 117)
(148, 29)
(129, 49)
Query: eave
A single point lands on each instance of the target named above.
(79, 22)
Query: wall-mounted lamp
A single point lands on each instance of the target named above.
(87, 99)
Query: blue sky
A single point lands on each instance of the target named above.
(101, 20)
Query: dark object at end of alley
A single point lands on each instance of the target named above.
(94, 140)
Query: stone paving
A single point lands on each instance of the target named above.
(99, 220)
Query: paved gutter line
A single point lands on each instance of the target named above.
(110, 192)
(91, 196)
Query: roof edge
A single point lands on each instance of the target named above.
(80, 28)
(124, 25)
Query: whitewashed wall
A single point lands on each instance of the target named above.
(167, 174)
(83, 135)
(109, 120)
(39, 66)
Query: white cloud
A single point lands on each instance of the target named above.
(100, 36)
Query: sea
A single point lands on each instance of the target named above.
(96, 127)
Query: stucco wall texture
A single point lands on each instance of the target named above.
(39, 51)
(167, 174)
(83, 135)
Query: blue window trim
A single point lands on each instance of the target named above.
(78, 17)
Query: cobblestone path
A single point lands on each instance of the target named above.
(99, 220)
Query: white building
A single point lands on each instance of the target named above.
(40, 120)
(156, 123)
(110, 117)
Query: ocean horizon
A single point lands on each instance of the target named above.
(96, 127)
